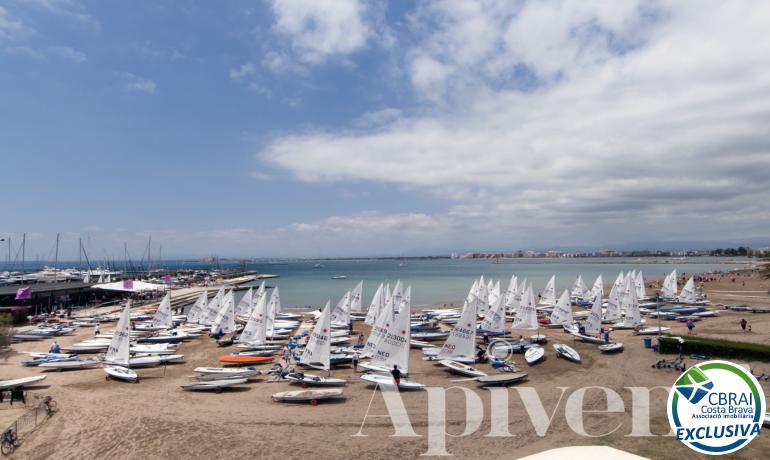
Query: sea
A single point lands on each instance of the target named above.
(310, 283)
(447, 281)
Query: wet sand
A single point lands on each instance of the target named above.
(156, 419)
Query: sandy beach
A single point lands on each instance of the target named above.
(156, 419)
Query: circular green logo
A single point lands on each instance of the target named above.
(716, 407)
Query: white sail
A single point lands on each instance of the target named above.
(393, 348)
(640, 291)
(273, 306)
(633, 317)
(397, 296)
(494, 293)
(669, 285)
(510, 293)
(526, 314)
(598, 288)
(482, 297)
(318, 350)
(629, 284)
(494, 320)
(212, 308)
(594, 323)
(613, 304)
(256, 327)
(355, 298)
(162, 316)
(118, 351)
(340, 316)
(380, 327)
(461, 342)
(374, 308)
(579, 289)
(225, 320)
(562, 312)
(548, 296)
(688, 292)
(87, 278)
(473, 293)
(244, 305)
(260, 292)
(406, 298)
(196, 311)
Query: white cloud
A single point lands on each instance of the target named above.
(635, 118)
(242, 71)
(73, 10)
(320, 29)
(69, 54)
(136, 84)
(12, 28)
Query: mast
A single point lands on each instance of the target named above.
(56, 259)
(23, 254)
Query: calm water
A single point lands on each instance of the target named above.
(445, 280)
(441, 281)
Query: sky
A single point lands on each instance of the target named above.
(304, 128)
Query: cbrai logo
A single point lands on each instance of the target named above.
(716, 408)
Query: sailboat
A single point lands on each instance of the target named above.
(687, 296)
(317, 353)
(393, 352)
(494, 321)
(224, 322)
(548, 296)
(668, 290)
(212, 308)
(118, 351)
(196, 311)
(244, 305)
(526, 315)
(381, 324)
(378, 301)
(598, 288)
(460, 346)
(340, 316)
(162, 318)
(562, 312)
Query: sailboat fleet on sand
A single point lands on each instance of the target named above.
(494, 322)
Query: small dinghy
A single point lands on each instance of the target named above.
(171, 359)
(566, 352)
(430, 336)
(47, 359)
(420, 344)
(227, 371)
(213, 385)
(588, 339)
(22, 382)
(121, 373)
(144, 361)
(69, 365)
(244, 360)
(378, 369)
(539, 338)
(654, 330)
(460, 368)
(387, 381)
(615, 347)
(314, 380)
(502, 379)
(534, 355)
(706, 314)
(308, 396)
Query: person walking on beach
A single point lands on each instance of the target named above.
(355, 361)
(96, 330)
(396, 375)
(743, 324)
(690, 326)
(286, 355)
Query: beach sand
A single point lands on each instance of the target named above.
(156, 419)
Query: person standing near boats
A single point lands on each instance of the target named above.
(55, 347)
(690, 326)
(355, 361)
(396, 375)
(96, 330)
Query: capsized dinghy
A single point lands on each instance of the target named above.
(308, 396)
(213, 385)
(567, 352)
(502, 379)
(459, 368)
(534, 355)
(615, 347)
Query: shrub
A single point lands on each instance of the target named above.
(717, 348)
